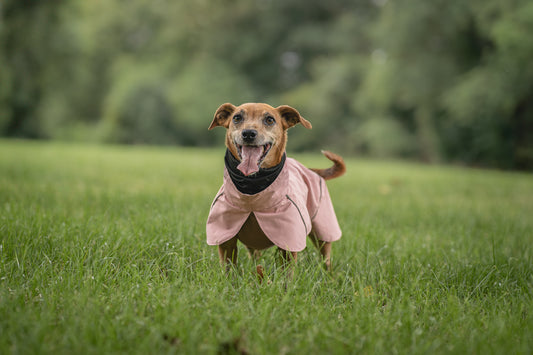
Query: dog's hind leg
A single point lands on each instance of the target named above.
(254, 254)
(288, 259)
(324, 248)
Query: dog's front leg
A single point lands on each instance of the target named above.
(227, 253)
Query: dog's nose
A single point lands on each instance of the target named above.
(248, 135)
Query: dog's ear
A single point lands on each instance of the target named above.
(291, 117)
(222, 116)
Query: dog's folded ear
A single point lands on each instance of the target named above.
(292, 117)
(222, 116)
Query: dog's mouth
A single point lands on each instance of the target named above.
(260, 150)
(251, 157)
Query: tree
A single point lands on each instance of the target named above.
(30, 41)
(458, 73)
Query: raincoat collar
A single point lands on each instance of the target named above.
(251, 185)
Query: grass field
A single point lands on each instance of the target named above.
(102, 250)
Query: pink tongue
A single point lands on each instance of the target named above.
(250, 158)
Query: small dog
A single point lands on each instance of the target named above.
(268, 199)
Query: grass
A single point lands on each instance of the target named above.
(102, 250)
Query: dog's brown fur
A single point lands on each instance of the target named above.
(270, 125)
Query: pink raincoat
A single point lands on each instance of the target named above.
(295, 204)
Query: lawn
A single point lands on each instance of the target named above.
(102, 250)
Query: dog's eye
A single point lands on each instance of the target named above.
(237, 118)
(269, 120)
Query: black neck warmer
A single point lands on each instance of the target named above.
(251, 185)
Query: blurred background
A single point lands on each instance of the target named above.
(446, 81)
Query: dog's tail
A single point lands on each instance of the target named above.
(336, 170)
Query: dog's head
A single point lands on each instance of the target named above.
(256, 134)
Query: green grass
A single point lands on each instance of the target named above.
(102, 250)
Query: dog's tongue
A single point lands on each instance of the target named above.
(250, 158)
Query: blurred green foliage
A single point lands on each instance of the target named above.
(440, 81)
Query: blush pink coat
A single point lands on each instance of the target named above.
(295, 204)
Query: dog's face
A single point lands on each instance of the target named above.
(257, 133)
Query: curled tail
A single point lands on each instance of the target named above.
(336, 170)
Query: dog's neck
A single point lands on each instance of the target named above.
(253, 184)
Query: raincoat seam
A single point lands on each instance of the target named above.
(319, 201)
(300, 212)
(216, 199)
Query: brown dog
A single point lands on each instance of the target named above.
(268, 199)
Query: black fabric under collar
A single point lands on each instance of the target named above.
(253, 184)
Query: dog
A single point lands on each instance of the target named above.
(268, 199)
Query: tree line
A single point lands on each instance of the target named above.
(439, 81)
